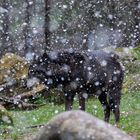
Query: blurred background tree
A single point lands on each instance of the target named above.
(32, 26)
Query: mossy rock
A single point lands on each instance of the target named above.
(5, 116)
(130, 59)
(13, 67)
(131, 67)
(131, 83)
(13, 72)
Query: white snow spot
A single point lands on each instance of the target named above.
(85, 95)
(117, 72)
(34, 119)
(49, 73)
(95, 106)
(105, 74)
(101, 25)
(97, 14)
(90, 57)
(114, 78)
(1, 89)
(66, 68)
(30, 2)
(139, 5)
(70, 50)
(64, 6)
(103, 63)
(56, 111)
(90, 75)
(24, 24)
(29, 56)
(35, 31)
(53, 55)
(32, 81)
(110, 16)
(84, 41)
(77, 79)
(62, 78)
(89, 68)
(49, 81)
(3, 10)
(97, 83)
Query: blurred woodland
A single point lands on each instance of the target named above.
(32, 26)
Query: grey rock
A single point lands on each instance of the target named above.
(79, 125)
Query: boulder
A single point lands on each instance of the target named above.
(79, 125)
(13, 66)
(13, 72)
(5, 116)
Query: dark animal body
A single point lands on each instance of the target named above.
(82, 73)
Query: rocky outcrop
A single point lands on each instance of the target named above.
(78, 125)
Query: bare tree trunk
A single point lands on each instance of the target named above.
(136, 29)
(112, 13)
(27, 27)
(6, 43)
(47, 24)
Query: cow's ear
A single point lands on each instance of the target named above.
(79, 57)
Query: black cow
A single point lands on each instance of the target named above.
(82, 73)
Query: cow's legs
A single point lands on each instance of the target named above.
(103, 99)
(81, 102)
(114, 102)
(68, 102)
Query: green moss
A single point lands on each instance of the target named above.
(131, 83)
(136, 52)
